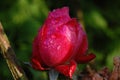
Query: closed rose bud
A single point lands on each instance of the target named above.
(61, 43)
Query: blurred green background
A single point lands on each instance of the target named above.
(22, 18)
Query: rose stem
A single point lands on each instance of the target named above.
(53, 75)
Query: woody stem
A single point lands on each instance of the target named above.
(10, 57)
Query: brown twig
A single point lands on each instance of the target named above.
(94, 74)
(115, 75)
(10, 57)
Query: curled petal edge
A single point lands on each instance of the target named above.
(67, 69)
(36, 65)
(85, 58)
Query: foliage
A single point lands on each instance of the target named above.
(22, 18)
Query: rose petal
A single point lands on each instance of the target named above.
(85, 58)
(58, 17)
(36, 60)
(67, 69)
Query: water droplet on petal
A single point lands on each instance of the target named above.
(51, 41)
(58, 47)
(53, 36)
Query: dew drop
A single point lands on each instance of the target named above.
(53, 36)
(51, 41)
(45, 42)
(58, 47)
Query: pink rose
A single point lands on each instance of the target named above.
(61, 43)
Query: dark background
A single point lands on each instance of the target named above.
(22, 18)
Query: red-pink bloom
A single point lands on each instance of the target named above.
(61, 43)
